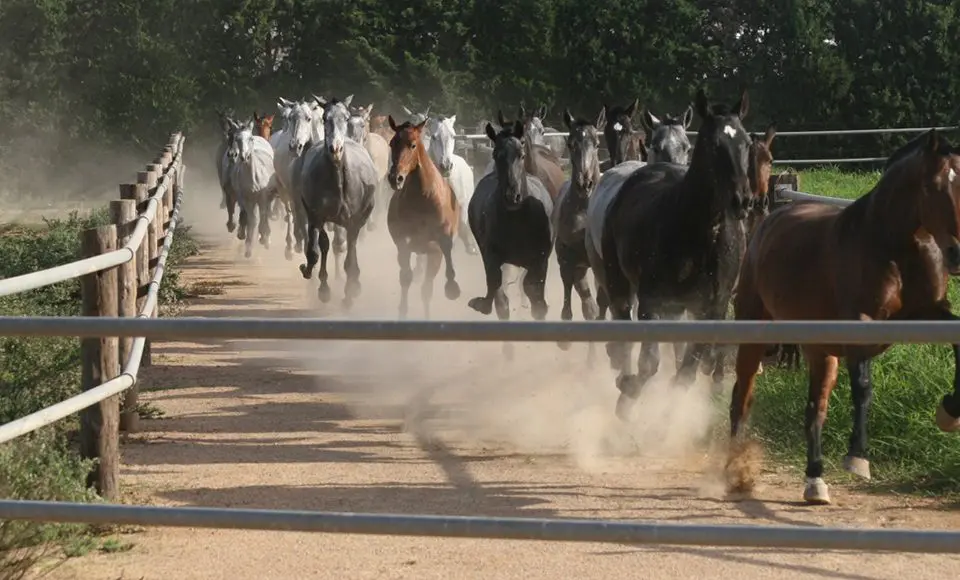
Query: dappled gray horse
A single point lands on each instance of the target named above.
(667, 140)
(252, 179)
(358, 129)
(536, 132)
(338, 181)
(303, 126)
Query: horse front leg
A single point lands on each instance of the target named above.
(861, 395)
(288, 238)
(495, 296)
(351, 266)
(339, 246)
(434, 258)
(406, 277)
(588, 306)
(823, 377)
(264, 229)
(231, 205)
(648, 363)
(252, 222)
(450, 289)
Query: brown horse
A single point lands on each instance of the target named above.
(886, 256)
(423, 215)
(263, 126)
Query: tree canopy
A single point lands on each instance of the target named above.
(130, 71)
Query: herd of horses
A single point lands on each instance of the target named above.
(668, 228)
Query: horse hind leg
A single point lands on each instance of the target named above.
(252, 221)
(340, 245)
(288, 239)
(264, 216)
(406, 278)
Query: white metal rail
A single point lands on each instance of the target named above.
(102, 262)
(128, 376)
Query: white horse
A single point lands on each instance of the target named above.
(228, 200)
(454, 168)
(253, 179)
(302, 124)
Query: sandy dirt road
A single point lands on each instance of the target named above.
(320, 426)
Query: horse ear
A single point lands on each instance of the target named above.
(518, 129)
(542, 112)
(568, 119)
(490, 132)
(500, 119)
(743, 105)
(320, 101)
(687, 117)
(522, 112)
(633, 108)
(348, 100)
(770, 134)
(406, 110)
(452, 120)
(648, 120)
(367, 112)
(602, 118)
(419, 126)
(932, 144)
(701, 104)
(393, 124)
(269, 119)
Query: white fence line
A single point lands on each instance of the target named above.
(94, 264)
(705, 331)
(128, 376)
(541, 529)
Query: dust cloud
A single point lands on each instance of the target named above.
(545, 402)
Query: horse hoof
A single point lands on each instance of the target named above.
(539, 311)
(223, 204)
(241, 235)
(305, 272)
(347, 303)
(247, 253)
(760, 369)
(857, 466)
(323, 292)
(265, 244)
(352, 288)
(298, 247)
(371, 226)
(945, 422)
(624, 405)
(231, 226)
(481, 305)
(816, 492)
(564, 345)
(452, 290)
(288, 253)
(566, 314)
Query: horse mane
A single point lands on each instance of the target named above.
(908, 148)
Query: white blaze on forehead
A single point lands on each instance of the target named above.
(617, 127)
(730, 131)
(952, 175)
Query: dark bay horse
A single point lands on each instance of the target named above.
(570, 216)
(423, 215)
(623, 141)
(538, 159)
(509, 216)
(673, 238)
(886, 256)
(338, 183)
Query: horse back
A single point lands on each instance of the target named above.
(605, 193)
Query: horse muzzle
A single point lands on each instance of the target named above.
(951, 258)
(445, 168)
(296, 148)
(396, 181)
(336, 151)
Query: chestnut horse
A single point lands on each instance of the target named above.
(886, 256)
(423, 215)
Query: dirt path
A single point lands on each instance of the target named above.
(313, 425)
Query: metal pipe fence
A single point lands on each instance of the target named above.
(541, 529)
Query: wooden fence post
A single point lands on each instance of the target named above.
(149, 180)
(99, 424)
(161, 221)
(123, 213)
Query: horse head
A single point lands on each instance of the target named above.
(668, 137)
(619, 130)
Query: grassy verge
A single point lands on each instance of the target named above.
(37, 372)
(908, 452)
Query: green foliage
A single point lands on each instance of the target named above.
(74, 71)
(38, 372)
(907, 451)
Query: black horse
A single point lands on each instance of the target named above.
(623, 142)
(509, 216)
(673, 238)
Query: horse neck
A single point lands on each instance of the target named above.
(430, 179)
(530, 157)
(701, 188)
(892, 208)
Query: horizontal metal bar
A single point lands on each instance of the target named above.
(828, 161)
(818, 133)
(541, 529)
(706, 331)
(792, 195)
(131, 368)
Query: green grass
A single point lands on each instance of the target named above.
(907, 451)
(38, 372)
